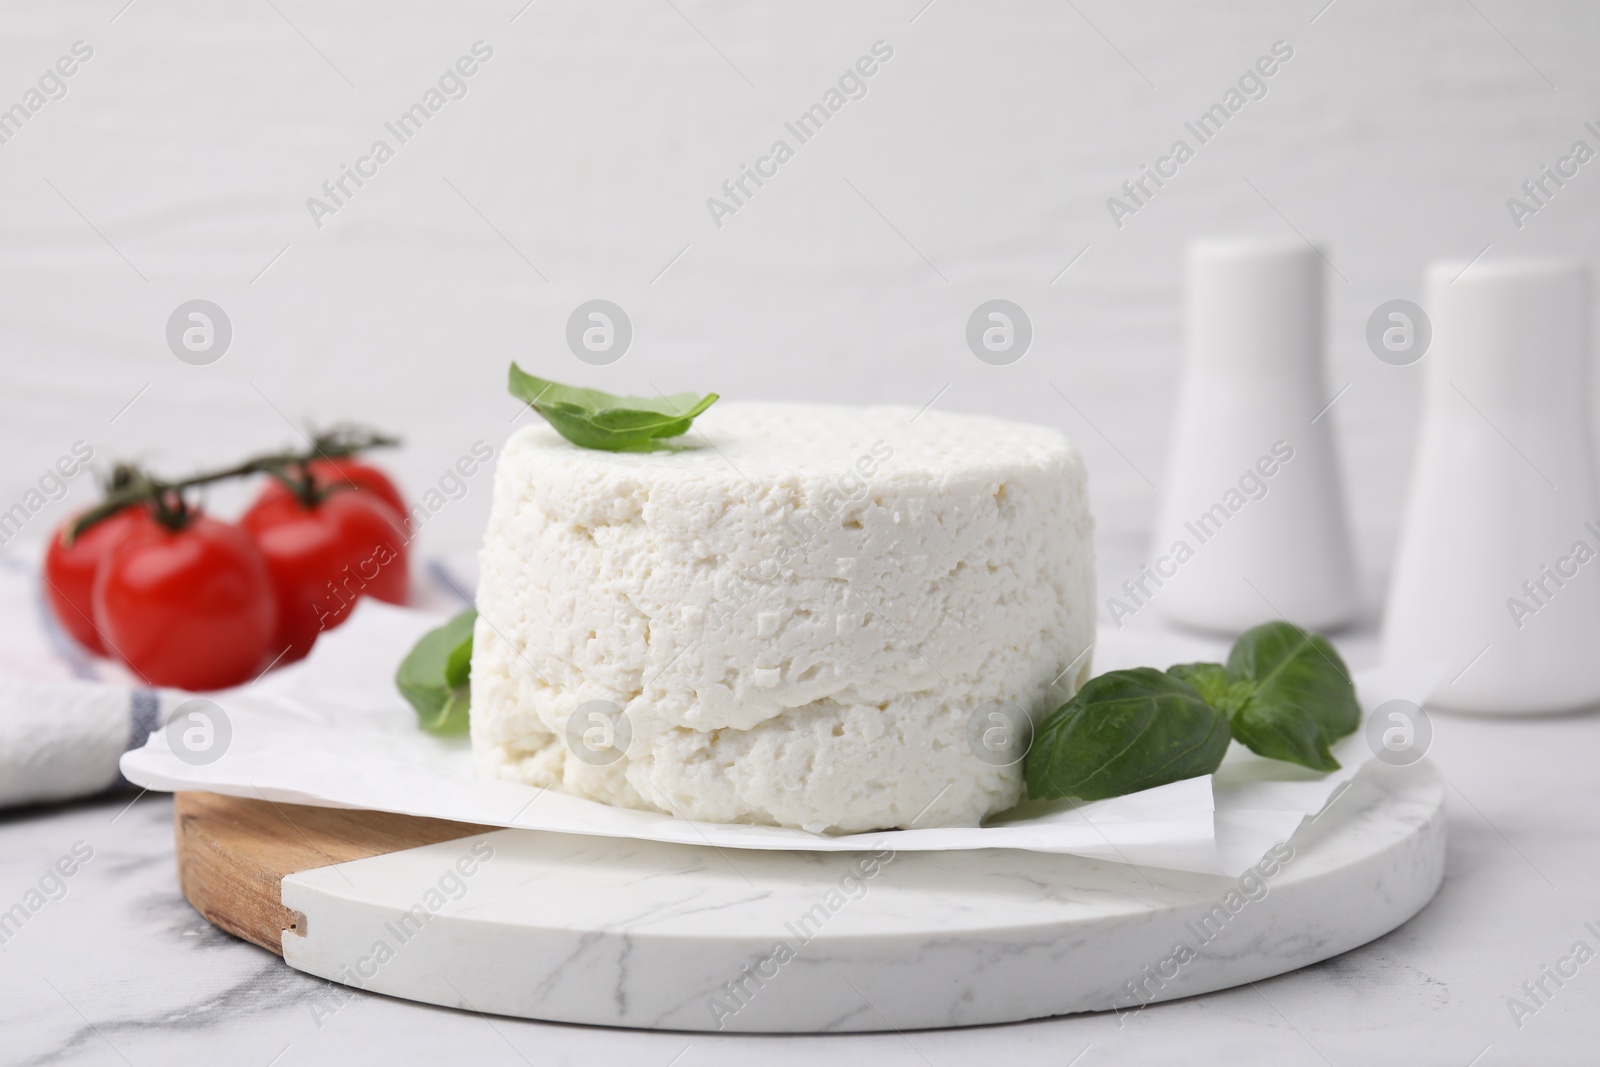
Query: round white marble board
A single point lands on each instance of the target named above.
(629, 933)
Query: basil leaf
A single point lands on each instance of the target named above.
(1123, 732)
(1300, 697)
(1210, 680)
(435, 675)
(590, 418)
(1286, 734)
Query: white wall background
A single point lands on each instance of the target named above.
(591, 140)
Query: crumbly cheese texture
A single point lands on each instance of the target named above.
(798, 610)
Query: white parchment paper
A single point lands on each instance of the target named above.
(332, 731)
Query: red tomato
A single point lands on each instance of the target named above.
(191, 608)
(345, 471)
(325, 557)
(69, 574)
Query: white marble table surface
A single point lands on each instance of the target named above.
(121, 970)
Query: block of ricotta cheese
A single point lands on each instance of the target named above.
(797, 615)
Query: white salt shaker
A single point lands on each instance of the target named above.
(1498, 570)
(1252, 522)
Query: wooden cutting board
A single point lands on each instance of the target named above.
(233, 854)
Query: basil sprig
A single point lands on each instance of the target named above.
(435, 674)
(1289, 695)
(1284, 694)
(590, 418)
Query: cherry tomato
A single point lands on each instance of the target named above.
(190, 608)
(326, 556)
(345, 471)
(69, 574)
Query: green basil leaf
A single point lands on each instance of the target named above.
(1287, 734)
(1210, 680)
(590, 418)
(455, 717)
(435, 675)
(1123, 732)
(1300, 697)
(458, 666)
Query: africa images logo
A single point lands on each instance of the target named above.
(451, 85)
(1252, 85)
(852, 85)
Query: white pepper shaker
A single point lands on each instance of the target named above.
(1498, 569)
(1252, 522)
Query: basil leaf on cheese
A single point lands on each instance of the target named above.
(1125, 731)
(590, 418)
(434, 677)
